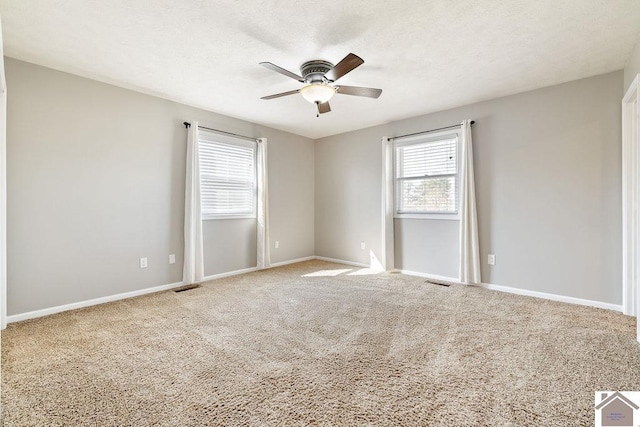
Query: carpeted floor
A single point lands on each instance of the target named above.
(300, 346)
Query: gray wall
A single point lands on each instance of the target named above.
(632, 68)
(548, 184)
(229, 245)
(96, 180)
(439, 239)
(348, 195)
(291, 197)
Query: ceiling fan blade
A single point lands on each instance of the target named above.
(347, 64)
(281, 70)
(369, 92)
(278, 95)
(324, 107)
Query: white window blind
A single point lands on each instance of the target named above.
(426, 177)
(227, 178)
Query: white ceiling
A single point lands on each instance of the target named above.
(426, 55)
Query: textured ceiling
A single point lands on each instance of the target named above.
(426, 55)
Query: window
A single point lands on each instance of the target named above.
(426, 172)
(227, 177)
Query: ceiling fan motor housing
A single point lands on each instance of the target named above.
(314, 71)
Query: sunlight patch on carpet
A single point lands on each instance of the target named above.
(366, 272)
(327, 273)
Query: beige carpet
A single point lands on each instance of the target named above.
(281, 348)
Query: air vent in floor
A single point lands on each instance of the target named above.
(186, 288)
(438, 282)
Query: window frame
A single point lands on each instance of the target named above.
(397, 182)
(205, 137)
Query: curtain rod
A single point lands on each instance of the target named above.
(427, 131)
(188, 125)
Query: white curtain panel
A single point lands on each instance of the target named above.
(193, 269)
(469, 248)
(3, 190)
(264, 252)
(388, 258)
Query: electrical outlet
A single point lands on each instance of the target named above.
(491, 259)
(143, 262)
(276, 244)
(172, 258)
(362, 245)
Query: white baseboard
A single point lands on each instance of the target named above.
(88, 303)
(82, 304)
(291, 261)
(428, 276)
(341, 261)
(525, 292)
(552, 297)
(229, 274)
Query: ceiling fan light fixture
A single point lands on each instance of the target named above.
(317, 93)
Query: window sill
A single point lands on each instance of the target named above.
(210, 218)
(432, 216)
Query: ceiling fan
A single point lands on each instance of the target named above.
(318, 77)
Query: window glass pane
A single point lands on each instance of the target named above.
(435, 195)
